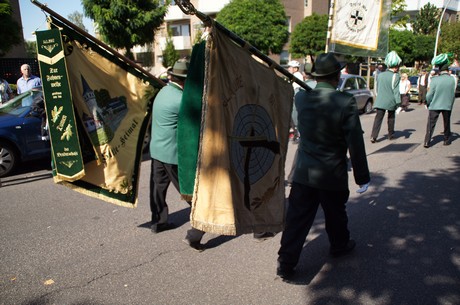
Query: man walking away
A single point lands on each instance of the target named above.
(329, 124)
(440, 99)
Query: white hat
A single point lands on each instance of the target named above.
(294, 63)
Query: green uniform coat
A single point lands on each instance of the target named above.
(165, 113)
(329, 125)
(441, 95)
(388, 97)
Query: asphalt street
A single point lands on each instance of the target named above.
(58, 246)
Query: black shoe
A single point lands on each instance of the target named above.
(391, 137)
(195, 245)
(373, 140)
(336, 252)
(285, 273)
(160, 227)
(446, 142)
(264, 236)
(426, 145)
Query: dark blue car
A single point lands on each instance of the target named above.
(21, 132)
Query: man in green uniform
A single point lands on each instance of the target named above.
(330, 126)
(388, 97)
(440, 99)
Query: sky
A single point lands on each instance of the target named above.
(34, 19)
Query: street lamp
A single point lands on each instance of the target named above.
(439, 29)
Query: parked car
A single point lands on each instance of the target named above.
(357, 86)
(456, 71)
(413, 92)
(20, 132)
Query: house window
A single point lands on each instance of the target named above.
(180, 30)
(306, 2)
(284, 57)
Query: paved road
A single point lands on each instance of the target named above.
(60, 247)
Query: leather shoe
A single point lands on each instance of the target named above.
(426, 145)
(446, 142)
(336, 252)
(285, 273)
(263, 236)
(195, 245)
(391, 137)
(160, 227)
(373, 140)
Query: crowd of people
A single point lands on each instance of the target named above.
(319, 175)
(436, 92)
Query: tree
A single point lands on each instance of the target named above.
(170, 54)
(262, 23)
(31, 49)
(398, 7)
(77, 19)
(423, 48)
(309, 36)
(10, 30)
(448, 40)
(403, 42)
(124, 24)
(427, 20)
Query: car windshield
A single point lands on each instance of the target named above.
(21, 103)
(413, 80)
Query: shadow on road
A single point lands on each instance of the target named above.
(407, 245)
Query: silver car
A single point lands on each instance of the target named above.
(357, 86)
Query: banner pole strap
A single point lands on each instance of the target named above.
(189, 9)
(95, 40)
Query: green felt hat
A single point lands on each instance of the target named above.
(392, 59)
(440, 60)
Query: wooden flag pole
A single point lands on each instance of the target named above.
(96, 41)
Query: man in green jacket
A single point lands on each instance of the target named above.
(329, 126)
(440, 99)
(388, 97)
(163, 145)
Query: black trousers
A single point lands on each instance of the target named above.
(161, 176)
(422, 94)
(303, 206)
(432, 119)
(378, 122)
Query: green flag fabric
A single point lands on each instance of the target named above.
(189, 124)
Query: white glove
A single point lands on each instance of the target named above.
(362, 188)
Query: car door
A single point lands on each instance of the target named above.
(351, 87)
(30, 130)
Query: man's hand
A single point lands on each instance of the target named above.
(362, 188)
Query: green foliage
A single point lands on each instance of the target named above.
(124, 24)
(77, 19)
(403, 42)
(262, 23)
(10, 30)
(449, 41)
(424, 47)
(398, 7)
(31, 49)
(170, 54)
(427, 20)
(309, 36)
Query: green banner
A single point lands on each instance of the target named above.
(66, 153)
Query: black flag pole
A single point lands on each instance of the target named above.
(115, 53)
(189, 9)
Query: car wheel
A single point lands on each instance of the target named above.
(8, 159)
(368, 107)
